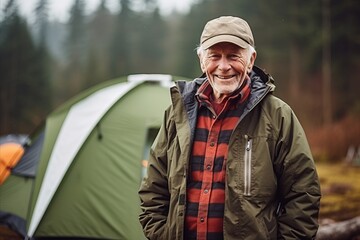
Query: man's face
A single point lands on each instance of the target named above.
(226, 66)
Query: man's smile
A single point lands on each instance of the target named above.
(224, 77)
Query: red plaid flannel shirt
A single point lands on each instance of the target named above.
(206, 185)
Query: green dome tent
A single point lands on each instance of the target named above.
(90, 167)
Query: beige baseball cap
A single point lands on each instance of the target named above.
(227, 29)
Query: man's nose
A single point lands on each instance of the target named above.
(224, 64)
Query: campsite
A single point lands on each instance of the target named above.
(89, 156)
(83, 87)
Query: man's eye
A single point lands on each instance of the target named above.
(234, 57)
(213, 56)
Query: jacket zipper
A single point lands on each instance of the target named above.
(247, 166)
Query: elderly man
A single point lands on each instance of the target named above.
(231, 160)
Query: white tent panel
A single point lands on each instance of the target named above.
(163, 79)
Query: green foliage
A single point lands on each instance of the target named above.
(73, 78)
(100, 30)
(24, 101)
(121, 45)
(41, 11)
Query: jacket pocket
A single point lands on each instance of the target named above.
(247, 165)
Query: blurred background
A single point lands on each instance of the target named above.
(311, 48)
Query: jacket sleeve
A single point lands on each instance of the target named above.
(154, 194)
(299, 187)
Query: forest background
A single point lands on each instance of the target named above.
(311, 48)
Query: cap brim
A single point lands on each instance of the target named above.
(225, 38)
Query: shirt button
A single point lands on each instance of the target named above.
(202, 219)
(206, 191)
(208, 167)
(213, 116)
(212, 144)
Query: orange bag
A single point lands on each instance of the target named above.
(10, 154)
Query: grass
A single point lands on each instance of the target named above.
(340, 187)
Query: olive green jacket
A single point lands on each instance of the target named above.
(272, 188)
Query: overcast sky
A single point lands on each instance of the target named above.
(59, 9)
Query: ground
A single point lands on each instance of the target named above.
(340, 187)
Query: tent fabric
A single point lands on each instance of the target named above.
(13, 222)
(90, 166)
(16, 190)
(15, 138)
(14, 202)
(27, 165)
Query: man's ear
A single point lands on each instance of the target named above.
(252, 61)
(202, 65)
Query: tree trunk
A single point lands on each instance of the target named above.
(295, 75)
(295, 58)
(346, 230)
(326, 63)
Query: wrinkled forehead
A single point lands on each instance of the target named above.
(225, 46)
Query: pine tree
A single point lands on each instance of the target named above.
(121, 45)
(43, 59)
(150, 39)
(19, 89)
(100, 35)
(76, 47)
